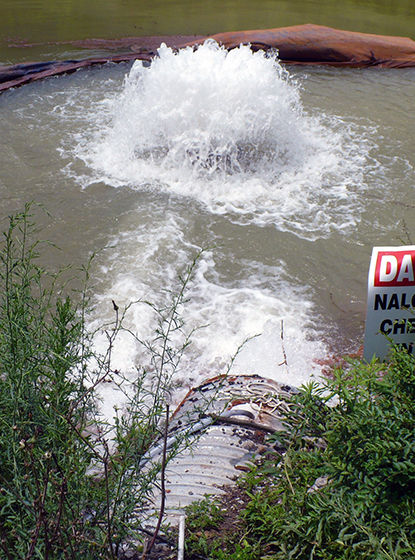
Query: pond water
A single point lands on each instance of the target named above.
(43, 29)
(287, 177)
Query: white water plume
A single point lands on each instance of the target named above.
(228, 129)
(262, 306)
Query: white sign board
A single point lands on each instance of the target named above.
(390, 301)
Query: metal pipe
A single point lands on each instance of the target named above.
(180, 550)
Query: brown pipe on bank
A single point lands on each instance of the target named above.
(319, 45)
(301, 44)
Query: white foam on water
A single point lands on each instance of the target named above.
(222, 312)
(216, 137)
(228, 129)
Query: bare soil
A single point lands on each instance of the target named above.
(232, 502)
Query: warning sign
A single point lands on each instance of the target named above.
(390, 301)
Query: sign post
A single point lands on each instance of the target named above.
(390, 302)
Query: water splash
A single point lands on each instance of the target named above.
(229, 130)
(221, 312)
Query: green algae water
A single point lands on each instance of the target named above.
(288, 175)
(31, 29)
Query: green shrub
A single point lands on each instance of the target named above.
(341, 485)
(354, 437)
(63, 494)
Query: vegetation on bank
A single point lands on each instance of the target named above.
(72, 484)
(341, 482)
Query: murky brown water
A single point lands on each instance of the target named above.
(292, 239)
(48, 22)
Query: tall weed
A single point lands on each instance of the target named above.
(72, 486)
